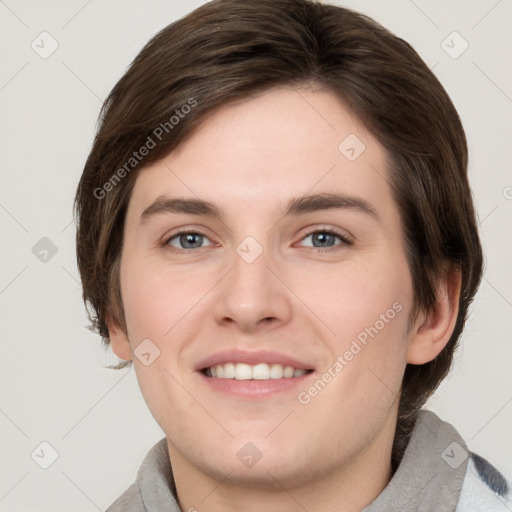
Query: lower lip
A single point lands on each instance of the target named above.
(254, 388)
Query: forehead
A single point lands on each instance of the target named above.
(261, 152)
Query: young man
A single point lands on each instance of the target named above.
(276, 227)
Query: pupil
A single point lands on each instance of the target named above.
(323, 237)
(189, 239)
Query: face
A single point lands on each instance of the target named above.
(267, 293)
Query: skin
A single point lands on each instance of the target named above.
(250, 159)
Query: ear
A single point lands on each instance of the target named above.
(432, 332)
(118, 340)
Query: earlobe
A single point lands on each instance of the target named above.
(432, 331)
(119, 340)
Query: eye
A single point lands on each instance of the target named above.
(186, 240)
(324, 240)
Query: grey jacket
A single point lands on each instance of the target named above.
(437, 474)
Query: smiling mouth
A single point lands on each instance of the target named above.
(261, 371)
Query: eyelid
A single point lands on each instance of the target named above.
(186, 231)
(346, 238)
(342, 233)
(343, 236)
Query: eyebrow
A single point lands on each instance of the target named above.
(297, 206)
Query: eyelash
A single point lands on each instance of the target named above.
(330, 231)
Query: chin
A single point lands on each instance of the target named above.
(258, 464)
(272, 474)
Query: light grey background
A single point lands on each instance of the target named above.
(53, 384)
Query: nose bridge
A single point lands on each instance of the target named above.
(250, 278)
(251, 292)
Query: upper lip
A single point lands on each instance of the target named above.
(252, 358)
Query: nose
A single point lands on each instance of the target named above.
(251, 296)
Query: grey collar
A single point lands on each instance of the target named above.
(431, 473)
(429, 477)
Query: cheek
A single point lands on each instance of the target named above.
(358, 298)
(367, 310)
(157, 306)
(155, 299)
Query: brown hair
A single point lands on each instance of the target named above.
(229, 50)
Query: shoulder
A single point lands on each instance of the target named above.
(484, 488)
(153, 488)
(129, 501)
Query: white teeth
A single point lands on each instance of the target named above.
(229, 371)
(261, 371)
(288, 372)
(276, 371)
(242, 371)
